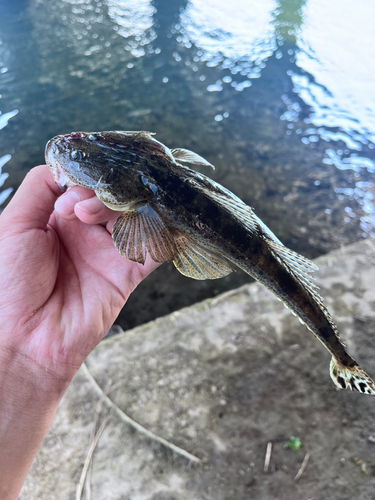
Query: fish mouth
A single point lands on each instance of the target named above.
(59, 176)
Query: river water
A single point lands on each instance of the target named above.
(278, 95)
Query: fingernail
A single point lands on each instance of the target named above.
(65, 204)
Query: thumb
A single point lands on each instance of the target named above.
(33, 202)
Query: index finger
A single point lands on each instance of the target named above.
(93, 211)
(79, 202)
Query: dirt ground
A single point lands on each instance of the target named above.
(224, 380)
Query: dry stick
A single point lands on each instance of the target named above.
(224, 296)
(303, 466)
(115, 387)
(88, 458)
(135, 424)
(88, 482)
(268, 457)
(87, 479)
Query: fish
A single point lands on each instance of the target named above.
(174, 213)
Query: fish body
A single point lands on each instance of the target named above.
(177, 214)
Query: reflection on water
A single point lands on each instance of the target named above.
(344, 92)
(5, 193)
(6, 117)
(234, 36)
(278, 95)
(133, 18)
(339, 89)
(3, 177)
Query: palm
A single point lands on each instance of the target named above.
(62, 284)
(67, 286)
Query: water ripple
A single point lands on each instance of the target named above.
(233, 36)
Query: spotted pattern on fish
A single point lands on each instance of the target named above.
(175, 213)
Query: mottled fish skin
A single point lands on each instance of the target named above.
(175, 213)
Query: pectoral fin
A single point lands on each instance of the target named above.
(198, 262)
(139, 231)
(190, 157)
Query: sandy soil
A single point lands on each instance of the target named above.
(221, 380)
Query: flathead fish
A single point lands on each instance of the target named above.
(177, 214)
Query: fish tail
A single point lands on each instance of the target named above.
(352, 376)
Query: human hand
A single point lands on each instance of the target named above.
(62, 282)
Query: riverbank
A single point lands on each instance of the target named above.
(229, 380)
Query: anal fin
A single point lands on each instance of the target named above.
(196, 261)
(141, 230)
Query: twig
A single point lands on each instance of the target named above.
(268, 457)
(224, 296)
(88, 482)
(114, 387)
(303, 466)
(136, 425)
(88, 458)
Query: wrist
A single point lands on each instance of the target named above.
(27, 408)
(24, 385)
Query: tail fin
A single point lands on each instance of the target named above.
(353, 377)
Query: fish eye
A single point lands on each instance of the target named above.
(75, 155)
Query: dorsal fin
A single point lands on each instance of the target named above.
(135, 133)
(190, 157)
(298, 265)
(226, 199)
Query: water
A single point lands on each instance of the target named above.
(278, 95)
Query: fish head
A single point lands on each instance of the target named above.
(110, 163)
(67, 156)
